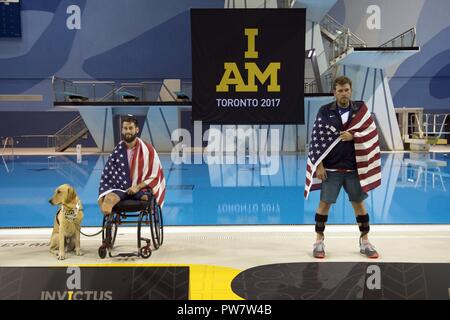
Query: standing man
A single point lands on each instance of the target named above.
(343, 152)
(133, 171)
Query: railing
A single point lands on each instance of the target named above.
(232, 4)
(71, 130)
(333, 27)
(93, 90)
(328, 78)
(50, 138)
(127, 91)
(344, 41)
(432, 125)
(109, 91)
(152, 89)
(310, 86)
(8, 141)
(417, 173)
(74, 91)
(341, 37)
(60, 86)
(186, 87)
(8, 168)
(406, 39)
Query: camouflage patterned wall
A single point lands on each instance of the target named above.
(101, 39)
(148, 39)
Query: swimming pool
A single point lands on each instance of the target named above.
(415, 190)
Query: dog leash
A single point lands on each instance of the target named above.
(92, 235)
(74, 214)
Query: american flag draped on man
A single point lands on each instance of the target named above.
(145, 167)
(325, 137)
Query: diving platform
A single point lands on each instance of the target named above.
(163, 117)
(366, 67)
(375, 57)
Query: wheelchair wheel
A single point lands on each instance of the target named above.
(145, 252)
(139, 229)
(143, 220)
(110, 227)
(102, 251)
(156, 225)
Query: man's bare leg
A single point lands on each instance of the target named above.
(108, 202)
(100, 202)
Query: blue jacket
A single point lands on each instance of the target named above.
(343, 154)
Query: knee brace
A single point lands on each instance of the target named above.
(321, 219)
(363, 223)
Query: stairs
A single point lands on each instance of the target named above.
(68, 135)
(340, 38)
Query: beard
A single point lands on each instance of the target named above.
(129, 137)
(344, 101)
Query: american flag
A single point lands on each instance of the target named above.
(145, 167)
(367, 151)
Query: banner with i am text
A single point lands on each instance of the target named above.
(248, 65)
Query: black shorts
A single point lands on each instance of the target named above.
(137, 196)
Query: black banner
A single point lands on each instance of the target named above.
(248, 65)
(94, 283)
(345, 281)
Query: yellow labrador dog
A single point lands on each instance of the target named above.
(67, 224)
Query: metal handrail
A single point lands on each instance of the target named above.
(77, 86)
(60, 79)
(342, 38)
(6, 143)
(335, 28)
(125, 85)
(328, 77)
(186, 87)
(331, 25)
(131, 85)
(139, 85)
(424, 126)
(111, 95)
(64, 82)
(74, 127)
(231, 4)
(419, 125)
(68, 125)
(401, 37)
(434, 124)
(310, 86)
(344, 41)
(48, 136)
(6, 165)
(92, 82)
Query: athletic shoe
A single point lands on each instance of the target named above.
(319, 250)
(367, 249)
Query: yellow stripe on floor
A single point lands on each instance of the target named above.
(205, 282)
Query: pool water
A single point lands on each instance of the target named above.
(415, 190)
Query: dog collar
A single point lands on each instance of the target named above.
(71, 214)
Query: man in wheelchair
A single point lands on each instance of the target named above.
(133, 171)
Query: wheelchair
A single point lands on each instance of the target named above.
(147, 215)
